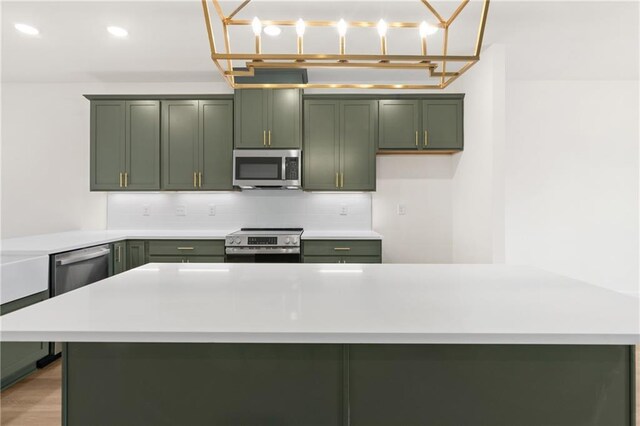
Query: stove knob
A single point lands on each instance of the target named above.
(295, 240)
(237, 240)
(287, 240)
(230, 240)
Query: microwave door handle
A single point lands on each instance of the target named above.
(284, 167)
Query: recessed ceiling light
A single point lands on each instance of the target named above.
(272, 30)
(117, 31)
(27, 29)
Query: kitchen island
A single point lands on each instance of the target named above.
(327, 344)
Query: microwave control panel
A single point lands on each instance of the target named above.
(291, 168)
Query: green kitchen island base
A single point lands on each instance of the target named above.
(355, 384)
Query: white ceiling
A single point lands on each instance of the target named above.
(167, 39)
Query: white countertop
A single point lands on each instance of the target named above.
(332, 303)
(22, 276)
(65, 241)
(341, 235)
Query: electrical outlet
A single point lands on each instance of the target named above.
(181, 211)
(212, 209)
(402, 209)
(344, 210)
(145, 210)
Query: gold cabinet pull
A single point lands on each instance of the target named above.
(120, 179)
(416, 138)
(341, 180)
(426, 138)
(195, 177)
(199, 179)
(269, 137)
(342, 248)
(337, 185)
(264, 138)
(185, 248)
(126, 179)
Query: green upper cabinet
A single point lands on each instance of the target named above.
(358, 121)
(339, 145)
(321, 152)
(197, 145)
(268, 118)
(442, 124)
(399, 124)
(429, 124)
(125, 145)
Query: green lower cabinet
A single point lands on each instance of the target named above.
(19, 358)
(342, 251)
(118, 257)
(136, 254)
(186, 259)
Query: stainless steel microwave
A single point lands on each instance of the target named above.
(267, 168)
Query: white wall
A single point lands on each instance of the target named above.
(45, 154)
(422, 184)
(572, 179)
(233, 210)
(477, 187)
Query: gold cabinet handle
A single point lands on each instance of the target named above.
(185, 248)
(337, 185)
(195, 177)
(426, 138)
(269, 137)
(126, 179)
(341, 180)
(416, 138)
(342, 248)
(264, 138)
(120, 179)
(199, 179)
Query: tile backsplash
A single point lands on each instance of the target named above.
(231, 210)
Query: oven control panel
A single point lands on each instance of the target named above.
(262, 241)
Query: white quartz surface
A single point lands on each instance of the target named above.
(65, 241)
(332, 303)
(341, 235)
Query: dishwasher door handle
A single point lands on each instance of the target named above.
(80, 257)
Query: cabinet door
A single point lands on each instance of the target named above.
(107, 142)
(321, 145)
(285, 115)
(361, 259)
(119, 256)
(358, 125)
(216, 145)
(251, 118)
(136, 254)
(442, 124)
(399, 124)
(143, 145)
(19, 358)
(179, 145)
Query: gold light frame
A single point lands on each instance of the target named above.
(342, 60)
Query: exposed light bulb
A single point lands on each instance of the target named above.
(256, 25)
(342, 27)
(427, 29)
(382, 28)
(27, 29)
(300, 27)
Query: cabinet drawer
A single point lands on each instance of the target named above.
(186, 259)
(342, 259)
(186, 248)
(342, 248)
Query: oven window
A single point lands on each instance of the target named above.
(259, 168)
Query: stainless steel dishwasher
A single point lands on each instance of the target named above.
(75, 269)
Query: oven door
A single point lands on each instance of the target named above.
(267, 255)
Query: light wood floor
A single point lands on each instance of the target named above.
(36, 401)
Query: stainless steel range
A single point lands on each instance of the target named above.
(264, 245)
